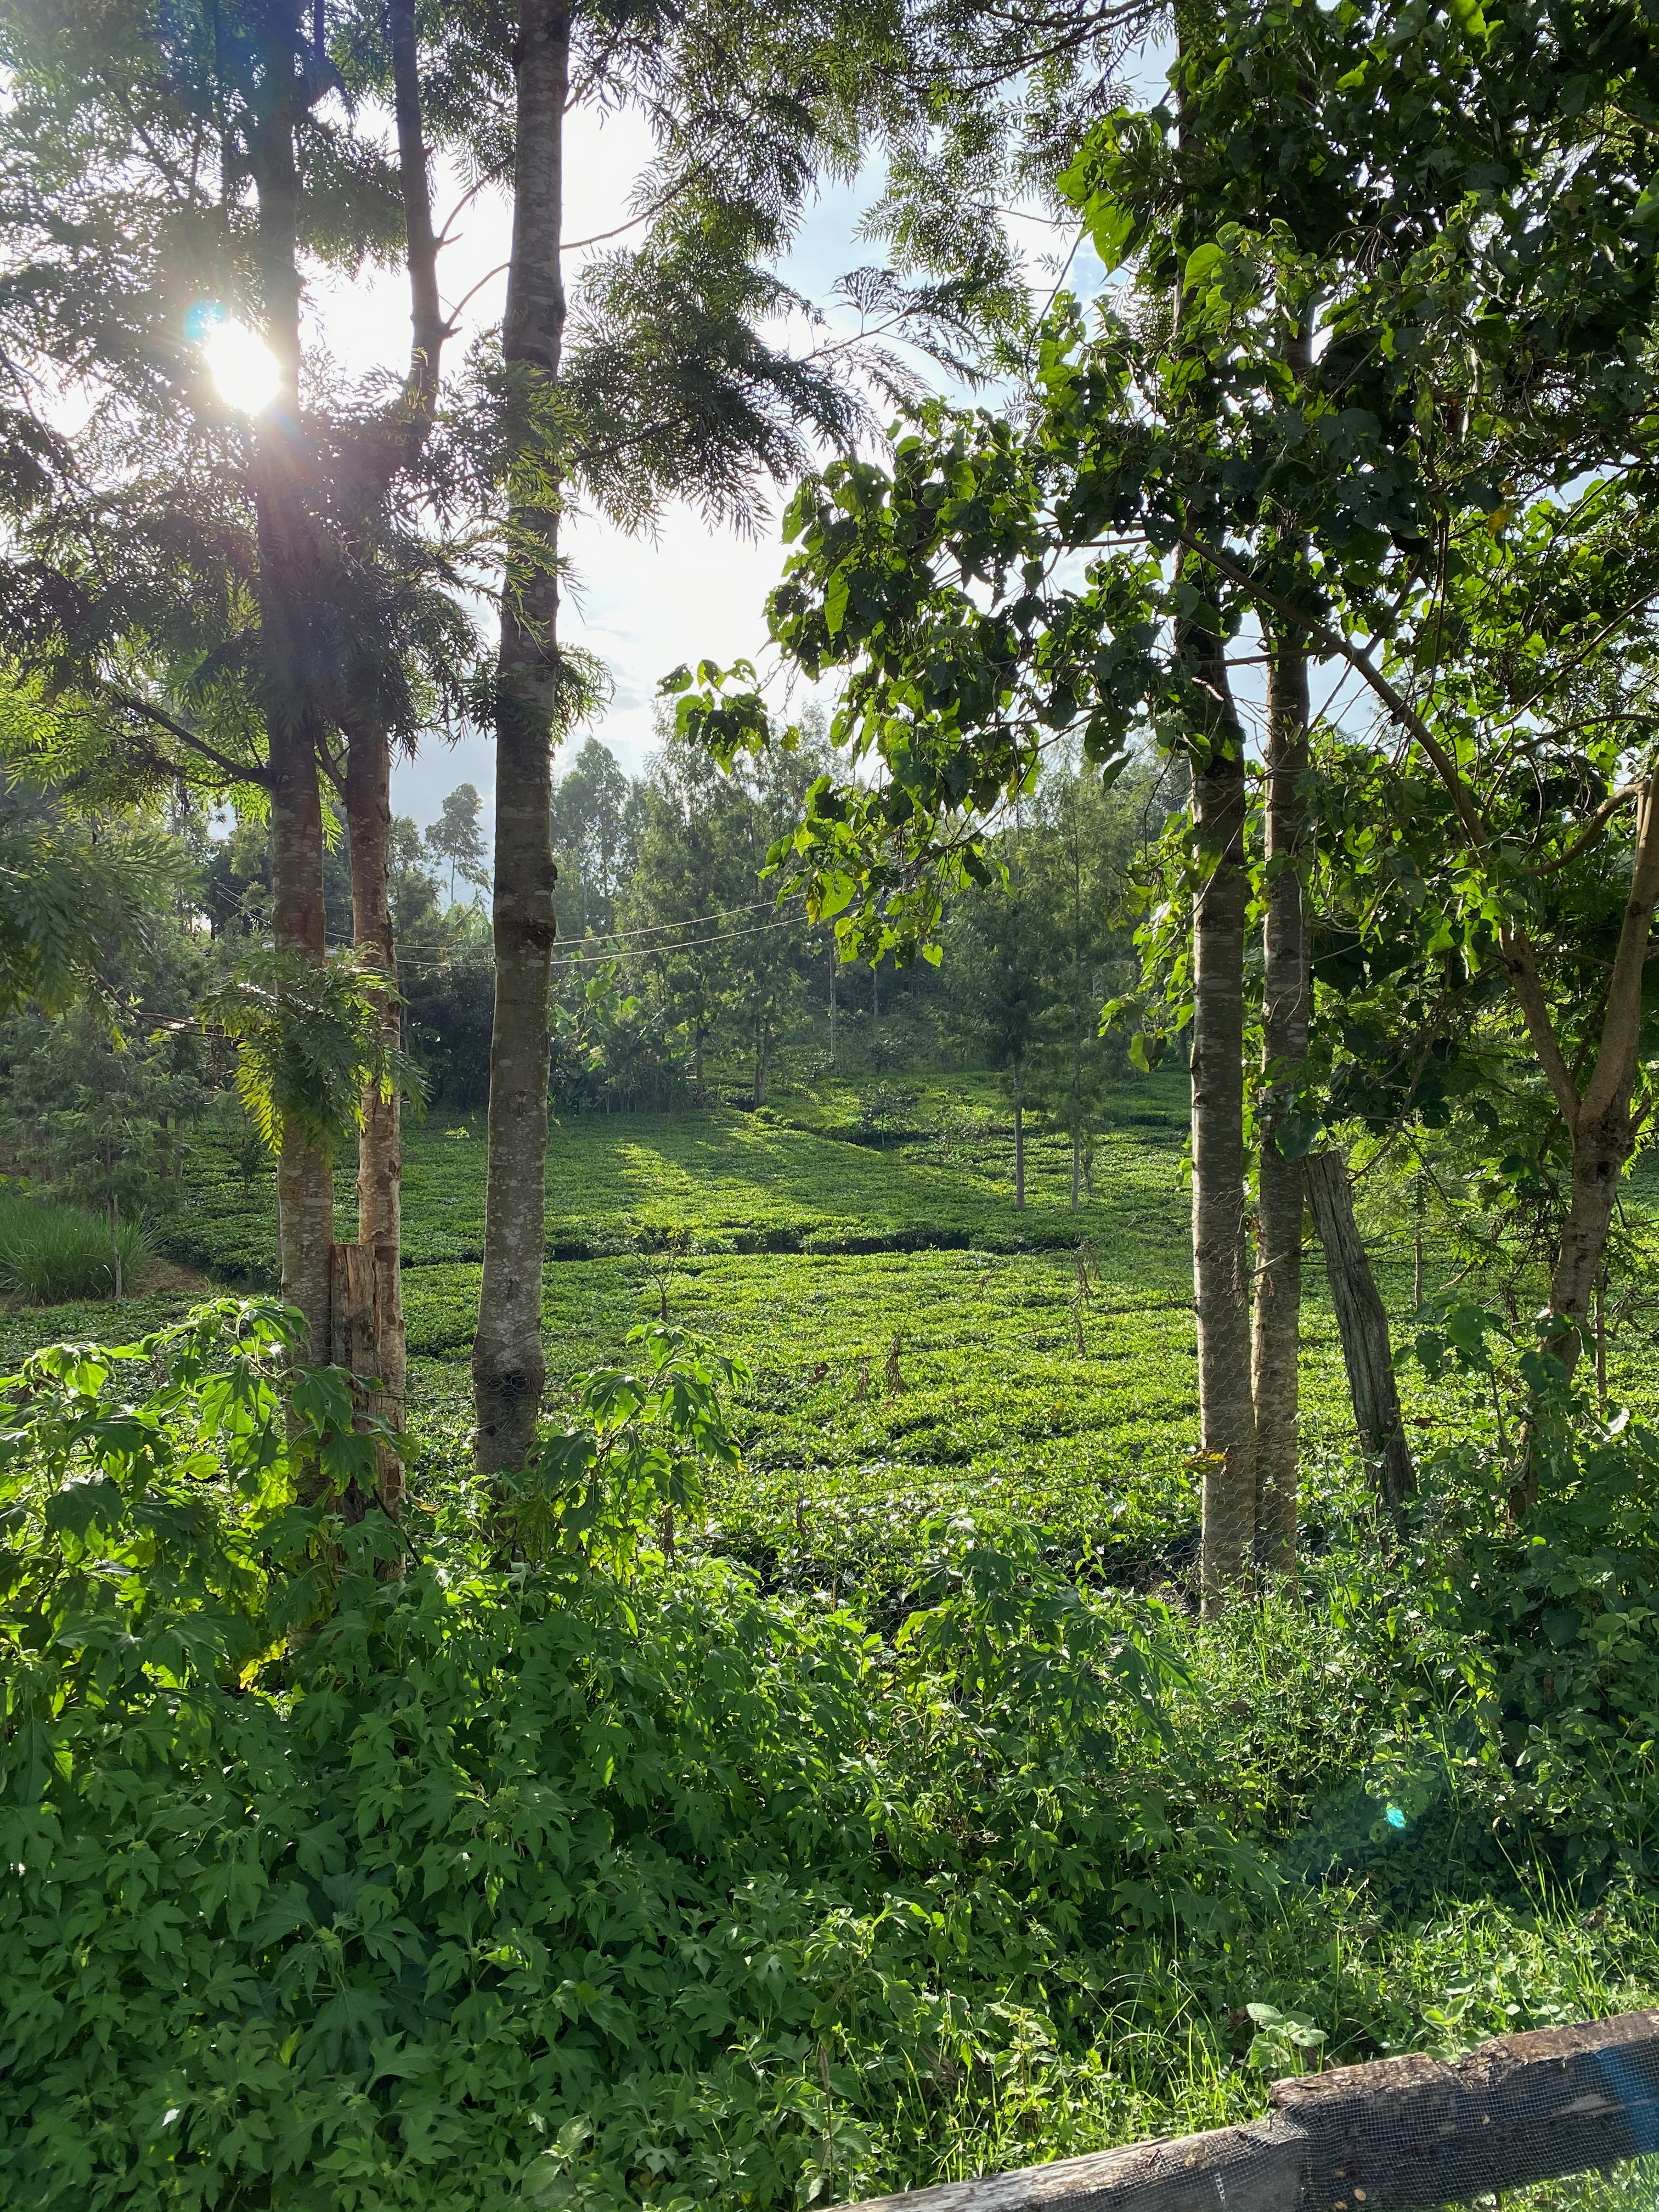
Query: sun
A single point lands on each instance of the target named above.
(243, 368)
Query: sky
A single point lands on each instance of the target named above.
(644, 604)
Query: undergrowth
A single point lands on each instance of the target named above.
(51, 1254)
(362, 1870)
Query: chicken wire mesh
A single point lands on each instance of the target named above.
(1401, 2135)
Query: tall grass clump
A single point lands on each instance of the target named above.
(49, 1255)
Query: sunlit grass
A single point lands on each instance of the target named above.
(52, 1254)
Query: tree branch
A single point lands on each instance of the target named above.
(1615, 1063)
(1519, 961)
(1333, 642)
(235, 771)
(1592, 830)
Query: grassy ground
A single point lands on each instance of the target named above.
(921, 1358)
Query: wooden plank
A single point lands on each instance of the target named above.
(1403, 2134)
(1399, 2134)
(1257, 2167)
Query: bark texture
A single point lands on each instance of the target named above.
(509, 1366)
(288, 567)
(371, 1282)
(1226, 1404)
(1277, 1330)
(379, 1146)
(365, 1290)
(428, 329)
(1363, 1324)
(1604, 1129)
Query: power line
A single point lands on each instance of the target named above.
(690, 922)
(412, 964)
(687, 944)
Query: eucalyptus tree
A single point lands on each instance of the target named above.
(1080, 861)
(694, 887)
(597, 810)
(456, 838)
(654, 377)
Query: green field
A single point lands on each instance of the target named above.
(1046, 1360)
(1023, 1396)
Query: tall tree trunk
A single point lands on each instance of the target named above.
(1285, 993)
(368, 1322)
(1076, 850)
(1363, 1324)
(379, 1146)
(1226, 1405)
(288, 577)
(509, 1366)
(1604, 1130)
(1019, 1151)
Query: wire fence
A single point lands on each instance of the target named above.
(1400, 2135)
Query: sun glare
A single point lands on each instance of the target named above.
(243, 367)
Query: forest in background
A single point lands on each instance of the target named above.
(676, 980)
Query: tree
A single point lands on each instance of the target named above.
(596, 819)
(266, 594)
(690, 892)
(669, 390)
(456, 837)
(992, 942)
(1220, 470)
(658, 379)
(1078, 854)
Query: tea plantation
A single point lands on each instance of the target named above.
(1042, 1364)
(907, 1823)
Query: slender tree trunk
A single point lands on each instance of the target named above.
(367, 1323)
(427, 327)
(1019, 1154)
(1220, 1269)
(834, 963)
(289, 576)
(509, 1366)
(379, 1146)
(1363, 1324)
(696, 1062)
(1076, 995)
(1284, 992)
(875, 991)
(1417, 1241)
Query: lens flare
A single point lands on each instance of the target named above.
(1395, 1817)
(243, 368)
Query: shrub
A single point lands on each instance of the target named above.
(511, 1882)
(49, 1255)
